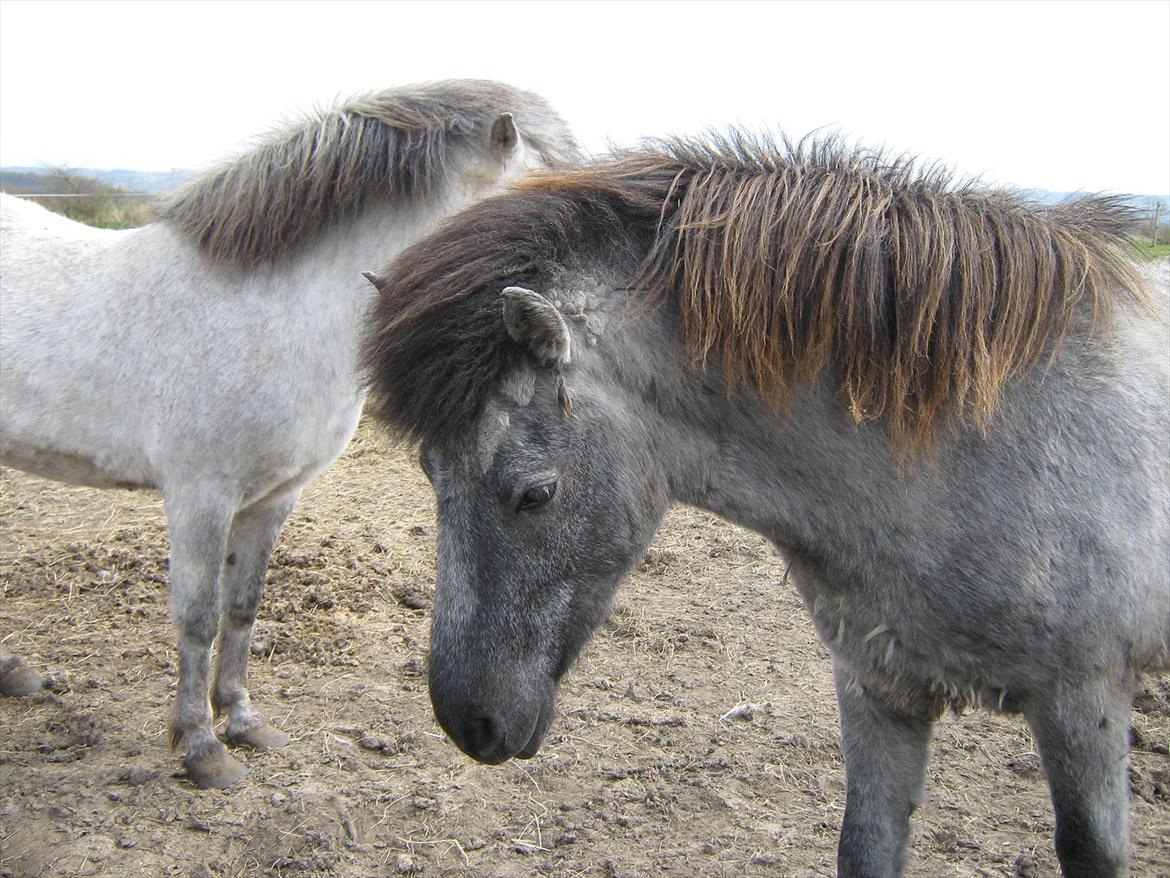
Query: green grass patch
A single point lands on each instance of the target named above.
(1151, 251)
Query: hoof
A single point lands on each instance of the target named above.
(18, 679)
(214, 769)
(261, 737)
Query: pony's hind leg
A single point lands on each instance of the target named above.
(1082, 733)
(199, 528)
(253, 535)
(885, 768)
(16, 677)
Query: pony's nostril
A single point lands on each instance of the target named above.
(485, 736)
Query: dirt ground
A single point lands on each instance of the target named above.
(643, 772)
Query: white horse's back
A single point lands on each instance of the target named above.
(25, 217)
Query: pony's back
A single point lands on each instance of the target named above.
(21, 219)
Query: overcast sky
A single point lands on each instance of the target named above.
(1055, 95)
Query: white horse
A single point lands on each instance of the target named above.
(212, 354)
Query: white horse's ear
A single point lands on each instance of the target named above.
(504, 135)
(378, 282)
(536, 325)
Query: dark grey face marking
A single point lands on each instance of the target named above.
(530, 553)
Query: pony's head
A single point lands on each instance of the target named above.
(545, 499)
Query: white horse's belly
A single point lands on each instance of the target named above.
(61, 413)
(50, 435)
(73, 469)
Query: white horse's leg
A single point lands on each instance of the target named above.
(1082, 733)
(199, 526)
(16, 677)
(253, 535)
(885, 768)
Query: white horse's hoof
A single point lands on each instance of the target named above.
(17, 679)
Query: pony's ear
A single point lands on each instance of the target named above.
(378, 282)
(504, 135)
(536, 325)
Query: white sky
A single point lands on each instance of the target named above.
(1056, 95)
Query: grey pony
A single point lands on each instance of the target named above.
(1023, 566)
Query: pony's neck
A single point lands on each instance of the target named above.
(335, 261)
(774, 472)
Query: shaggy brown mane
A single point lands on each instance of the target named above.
(395, 145)
(922, 295)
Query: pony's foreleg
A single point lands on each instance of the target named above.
(16, 677)
(253, 535)
(199, 527)
(885, 767)
(1082, 733)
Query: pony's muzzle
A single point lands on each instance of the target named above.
(542, 723)
(484, 739)
(490, 734)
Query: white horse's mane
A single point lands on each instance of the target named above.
(394, 144)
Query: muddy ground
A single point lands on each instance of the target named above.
(642, 773)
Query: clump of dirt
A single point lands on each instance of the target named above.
(696, 736)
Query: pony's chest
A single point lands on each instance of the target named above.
(882, 643)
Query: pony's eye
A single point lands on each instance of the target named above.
(536, 497)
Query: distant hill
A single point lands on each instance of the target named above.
(15, 179)
(1050, 197)
(25, 179)
(21, 179)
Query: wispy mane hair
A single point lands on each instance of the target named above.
(394, 145)
(920, 295)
